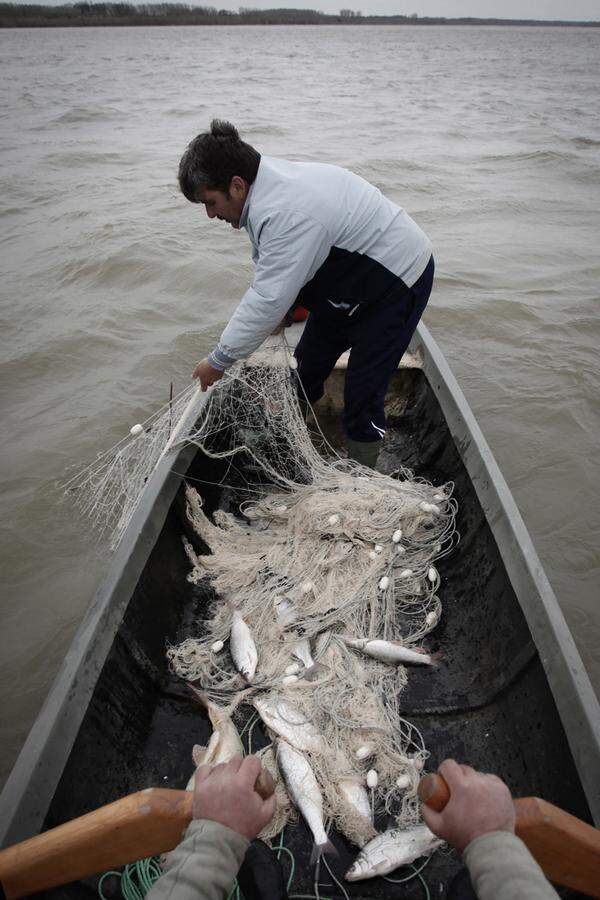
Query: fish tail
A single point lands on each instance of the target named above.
(324, 849)
(436, 657)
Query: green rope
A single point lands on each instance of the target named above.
(425, 888)
(292, 867)
(235, 891)
(412, 875)
(101, 882)
(136, 878)
(416, 873)
(250, 722)
(279, 847)
(250, 730)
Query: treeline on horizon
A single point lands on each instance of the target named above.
(17, 15)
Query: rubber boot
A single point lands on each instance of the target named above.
(364, 452)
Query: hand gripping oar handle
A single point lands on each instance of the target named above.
(144, 824)
(434, 792)
(566, 849)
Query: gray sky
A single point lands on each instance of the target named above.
(572, 10)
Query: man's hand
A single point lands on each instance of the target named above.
(281, 327)
(478, 804)
(226, 794)
(206, 373)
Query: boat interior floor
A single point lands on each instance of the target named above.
(488, 703)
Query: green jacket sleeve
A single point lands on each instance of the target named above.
(204, 865)
(502, 868)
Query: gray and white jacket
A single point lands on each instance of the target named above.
(319, 234)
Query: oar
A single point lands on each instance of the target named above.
(144, 824)
(566, 849)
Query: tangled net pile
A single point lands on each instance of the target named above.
(326, 551)
(320, 552)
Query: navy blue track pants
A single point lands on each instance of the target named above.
(377, 336)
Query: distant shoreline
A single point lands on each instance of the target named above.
(88, 15)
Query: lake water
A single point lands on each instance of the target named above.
(113, 285)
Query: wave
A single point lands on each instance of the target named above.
(585, 142)
(84, 114)
(536, 156)
(10, 211)
(123, 269)
(71, 158)
(268, 129)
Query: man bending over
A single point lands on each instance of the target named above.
(325, 239)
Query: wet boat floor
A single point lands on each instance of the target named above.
(487, 704)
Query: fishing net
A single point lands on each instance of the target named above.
(108, 491)
(323, 552)
(319, 552)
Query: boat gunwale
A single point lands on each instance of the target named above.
(29, 789)
(31, 785)
(570, 685)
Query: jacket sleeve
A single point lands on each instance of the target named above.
(502, 868)
(204, 865)
(291, 247)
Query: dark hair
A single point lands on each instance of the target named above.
(213, 158)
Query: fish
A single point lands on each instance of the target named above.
(305, 794)
(391, 849)
(353, 792)
(242, 647)
(394, 652)
(288, 722)
(354, 817)
(301, 650)
(224, 743)
(283, 806)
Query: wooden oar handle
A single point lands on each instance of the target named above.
(264, 784)
(434, 791)
(567, 849)
(148, 823)
(144, 824)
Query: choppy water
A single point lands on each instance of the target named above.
(113, 285)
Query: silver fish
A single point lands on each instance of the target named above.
(288, 722)
(354, 793)
(305, 794)
(392, 849)
(224, 742)
(242, 647)
(301, 650)
(284, 806)
(356, 820)
(394, 652)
